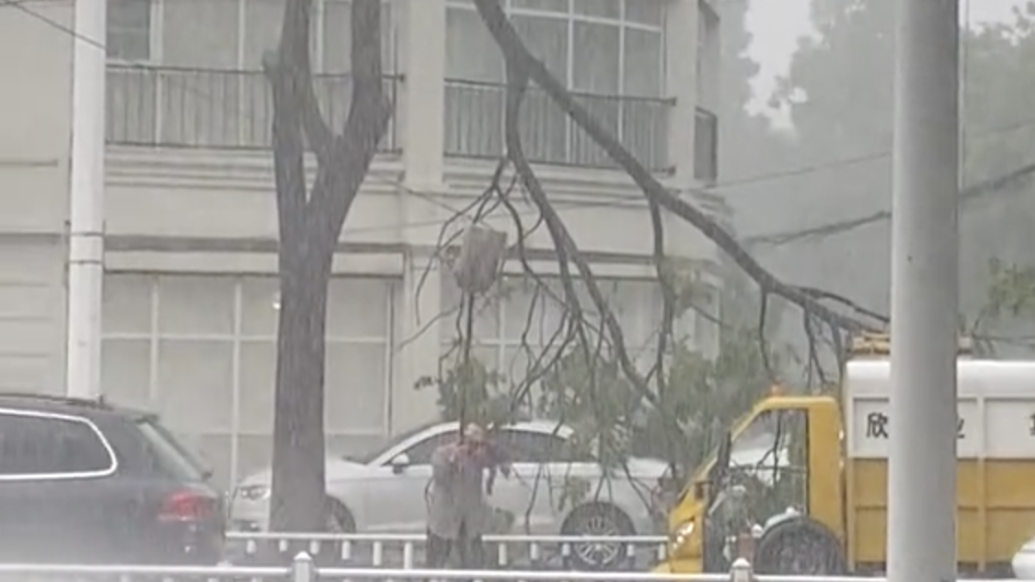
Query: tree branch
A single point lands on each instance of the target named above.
(369, 113)
(515, 52)
(294, 58)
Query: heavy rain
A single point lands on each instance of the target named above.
(509, 290)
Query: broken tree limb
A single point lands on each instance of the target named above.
(516, 54)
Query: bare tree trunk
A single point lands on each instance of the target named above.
(310, 225)
(298, 426)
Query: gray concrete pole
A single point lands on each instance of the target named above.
(924, 294)
(86, 201)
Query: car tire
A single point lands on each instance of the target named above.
(339, 521)
(597, 519)
(339, 518)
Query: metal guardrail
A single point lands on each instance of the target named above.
(304, 569)
(537, 552)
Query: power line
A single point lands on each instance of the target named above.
(979, 190)
(873, 156)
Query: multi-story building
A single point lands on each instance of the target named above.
(190, 296)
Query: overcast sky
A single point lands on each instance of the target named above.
(777, 25)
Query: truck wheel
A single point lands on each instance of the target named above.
(799, 547)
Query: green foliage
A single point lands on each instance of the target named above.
(1012, 290)
(702, 396)
(473, 391)
(1005, 320)
(587, 389)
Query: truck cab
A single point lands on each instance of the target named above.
(766, 466)
(799, 484)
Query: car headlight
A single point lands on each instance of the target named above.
(681, 535)
(253, 492)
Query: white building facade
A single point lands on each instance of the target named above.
(190, 294)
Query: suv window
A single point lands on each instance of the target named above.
(173, 459)
(48, 445)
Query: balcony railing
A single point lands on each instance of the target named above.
(706, 146)
(474, 126)
(178, 107)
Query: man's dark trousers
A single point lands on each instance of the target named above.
(469, 552)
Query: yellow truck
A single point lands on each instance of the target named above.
(803, 479)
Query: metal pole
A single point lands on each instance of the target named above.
(86, 201)
(924, 294)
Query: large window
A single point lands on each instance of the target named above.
(201, 351)
(521, 324)
(610, 52)
(211, 91)
(609, 41)
(232, 34)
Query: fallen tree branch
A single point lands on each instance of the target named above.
(517, 55)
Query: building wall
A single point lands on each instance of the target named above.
(34, 144)
(190, 294)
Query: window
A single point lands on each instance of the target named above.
(769, 458)
(706, 314)
(596, 58)
(545, 5)
(602, 8)
(335, 22)
(212, 46)
(521, 322)
(708, 54)
(32, 445)
(581, 42)
(212, 340)
(129, 30)
(646, 12)
(420, 453)
(535, 447)
(643, 67)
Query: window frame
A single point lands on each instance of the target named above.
(63, 475)
(623, 23)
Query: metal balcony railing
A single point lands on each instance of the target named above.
(474, 126)
(181, 107)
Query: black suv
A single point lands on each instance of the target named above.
(82, 481)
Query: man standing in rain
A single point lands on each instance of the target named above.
(458, 512)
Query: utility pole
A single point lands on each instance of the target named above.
(924, 294)
(86, 201)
